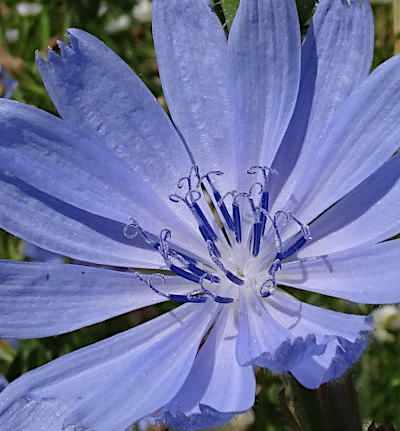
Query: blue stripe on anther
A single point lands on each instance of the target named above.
(185, 274)
(264, 206)
(292, 249)
(208, 230)
(257, 234)
(237, 222)
(233, 278)
(224, 210)
(184, 298)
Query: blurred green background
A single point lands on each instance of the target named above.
(125, 26)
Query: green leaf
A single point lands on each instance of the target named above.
(229, 7)
(304, 9)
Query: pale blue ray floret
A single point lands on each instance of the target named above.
(283, 157)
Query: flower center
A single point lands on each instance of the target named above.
(243, 238)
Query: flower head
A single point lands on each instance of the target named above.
(277, 171)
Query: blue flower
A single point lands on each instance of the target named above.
(268, 134)
(7, 84)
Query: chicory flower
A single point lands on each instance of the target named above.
(278, 170)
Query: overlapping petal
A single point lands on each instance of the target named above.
(143, 367)
(3, 382)
(43, 299)
(263, 341)
(339, 355)
(202, 403)
(191, 50)
(366, 274)
(336, 57)
(71, 184)
(348, 151)
(368, 214)
(41, 149)
(342, 337)
(264, 72)
(96, 92)
(54, 225)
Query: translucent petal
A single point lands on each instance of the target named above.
(343, 337)
(54, 225)
(264, 71)
(336, 58)
(265, 342)
(191, 50)
(201, 403)
(98, 93)
(143, 367)
(368, 214)
(365, 274)
(44, 299)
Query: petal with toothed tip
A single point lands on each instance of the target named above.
(201, 403)
(39, 149)
(336, 57)
(263, 72)
(191, 50)
(157, 354)
(96, 92)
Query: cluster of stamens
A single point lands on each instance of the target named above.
(232, 232)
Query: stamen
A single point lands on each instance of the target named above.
(217, 261)
(266, 172)
(197, 295)
(304, 228)
(194, 172)
(257, 234)
(219, 200)
(173, 297)
(268, 288)
(190, 200)
(236, 222)
(194, 273)
(193, 188)
(137, 229)
(216, 298)
(293, 248)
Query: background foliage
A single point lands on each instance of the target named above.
(377, 374)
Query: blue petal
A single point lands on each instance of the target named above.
(336, 58)
(41, 149)
(366, 274)
(201, 403)
(347, 152)
(9, 84)
(54, 225)
(204, 419)
(43, 299)
(191, 50)
(340, 354)
(264, 341)
(264, 72)
(368, 214)
(95, 91)
(342, 335)
(3, 382)
(37, 254)
(90, 388)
